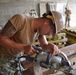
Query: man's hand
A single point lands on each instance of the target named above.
(53, 48)
(29, 50)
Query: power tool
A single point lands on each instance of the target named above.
(57, 62)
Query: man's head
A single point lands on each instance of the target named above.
(56, 19)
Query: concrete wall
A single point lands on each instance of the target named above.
(10, 7)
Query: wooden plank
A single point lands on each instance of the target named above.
(27, 64)
(69, 50)
(70, 33)
(62, 40)
(72, 56)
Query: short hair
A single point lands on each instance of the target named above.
(45, 14)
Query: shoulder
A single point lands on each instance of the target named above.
(20, 16)
(17, 18)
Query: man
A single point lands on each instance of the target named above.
(67, 18)
(21, 31)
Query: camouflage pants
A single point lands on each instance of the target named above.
(9, 66)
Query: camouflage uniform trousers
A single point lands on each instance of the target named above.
(9, 66)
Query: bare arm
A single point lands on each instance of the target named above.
(7, 32)
(48, 46)
(43, 42)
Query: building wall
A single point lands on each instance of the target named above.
(10, 7)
